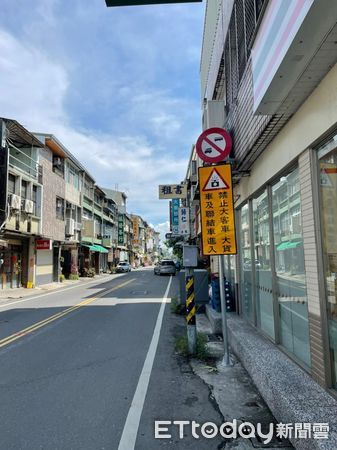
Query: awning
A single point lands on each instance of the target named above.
(90, 247)
(101, 249)
(287, 245)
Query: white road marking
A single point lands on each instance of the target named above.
(57, 290)
(129, 435)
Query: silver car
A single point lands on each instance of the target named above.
(165, 267)
(123, 267)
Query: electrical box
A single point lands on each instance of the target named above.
(190, 255)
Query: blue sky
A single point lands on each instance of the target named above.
(119, 87)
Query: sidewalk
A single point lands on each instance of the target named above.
(17, 293)
(235, 394)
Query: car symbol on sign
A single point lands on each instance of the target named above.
(208, 150)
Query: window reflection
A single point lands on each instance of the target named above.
(289, 264)
(328, 188)
(263, 273)
(246, 265)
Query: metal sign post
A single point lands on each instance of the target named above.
(226, 360)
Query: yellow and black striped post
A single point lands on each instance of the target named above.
(190, 303)
(190, 312)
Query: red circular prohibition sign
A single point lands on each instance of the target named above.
(214, 145)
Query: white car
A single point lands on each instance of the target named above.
(123, 267)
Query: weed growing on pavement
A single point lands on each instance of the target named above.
(176, 308)
(201, 353)
(73, 276)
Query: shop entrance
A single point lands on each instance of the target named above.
(11, 268)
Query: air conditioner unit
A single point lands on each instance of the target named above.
(29, 207)
(214, 114)
(70, 227)
(15, 202)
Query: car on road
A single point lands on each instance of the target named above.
(165, 267)
(123, 267)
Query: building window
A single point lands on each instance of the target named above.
(11, 184)
(328, 207)
(59, 208)
(246, 265)
(289, 266)
(262, 265)
(24, 189)
(34, 199)
(73, 177)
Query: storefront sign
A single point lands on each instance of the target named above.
(120, 229)
(175, 216)
(44, 244)
(168, 191)
(184, 221)
(217, 210)
(135, 227)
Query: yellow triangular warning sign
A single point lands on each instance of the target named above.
(215, 181)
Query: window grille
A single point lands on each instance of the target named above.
(234, 56)
(228, 73)
(250, 22)
(241, 38)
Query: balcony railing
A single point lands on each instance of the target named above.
(23, 162)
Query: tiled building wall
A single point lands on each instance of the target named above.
(53, 186)
(311, 250)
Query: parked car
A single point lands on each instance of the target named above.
(123, 267)
(165, 267)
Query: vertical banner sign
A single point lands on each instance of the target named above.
(175, 215)
(170, 208)
(120, 229)
(217, 210)
(135, 228)
(184, 221)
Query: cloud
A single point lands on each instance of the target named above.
(117, 104)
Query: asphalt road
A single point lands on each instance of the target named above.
(80, 369)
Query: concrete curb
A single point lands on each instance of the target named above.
(290, 393)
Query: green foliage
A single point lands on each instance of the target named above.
(175, 307)
(62, 278)
(201, 353)
(73, 276)
(89, 272)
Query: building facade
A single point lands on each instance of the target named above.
(275, 82)
(24, 207)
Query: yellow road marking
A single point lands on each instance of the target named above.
(13, 337)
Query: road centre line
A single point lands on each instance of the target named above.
(130, 430)
(13, 337)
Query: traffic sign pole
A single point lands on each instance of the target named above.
(226, 360)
